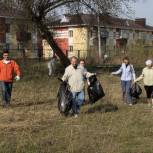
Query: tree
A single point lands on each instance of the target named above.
(38, 11)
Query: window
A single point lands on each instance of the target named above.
(71, 33)
(2, 37)
(118, 30)
(23, 27)
(7, 28)
(71, 48)
(91, 33)
(6, 46)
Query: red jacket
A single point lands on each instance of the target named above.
(7, 70)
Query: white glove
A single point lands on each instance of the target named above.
(90, 74)
(134, 81)
(17, 78)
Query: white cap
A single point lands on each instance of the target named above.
(149, 62)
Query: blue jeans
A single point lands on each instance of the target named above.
(6, 91)
(126, 87)
(78, 99)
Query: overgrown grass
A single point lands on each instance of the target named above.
(138, 54)
(33, 124)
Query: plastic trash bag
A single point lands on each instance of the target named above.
(95, 90)
(64, 98)
(136, 91)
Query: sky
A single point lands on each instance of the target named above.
(144, 9)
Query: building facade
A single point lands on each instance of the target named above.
(72, 40)
(78, 34)
(18, 34)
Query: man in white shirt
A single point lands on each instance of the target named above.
(74, 75)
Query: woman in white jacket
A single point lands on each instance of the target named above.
(127, 76)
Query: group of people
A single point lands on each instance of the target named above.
(76, 74)
(128, 77)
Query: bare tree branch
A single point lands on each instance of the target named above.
(37, 11)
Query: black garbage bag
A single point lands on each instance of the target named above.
(95, 90)
(64, 98)
(136, 91)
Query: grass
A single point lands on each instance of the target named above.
(33, 124)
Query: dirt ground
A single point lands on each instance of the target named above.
(33, 124)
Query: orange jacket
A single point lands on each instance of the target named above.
(7, 70)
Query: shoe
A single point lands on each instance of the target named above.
(130, 104)
(71, 113)
(76, 116)
(5, 105)
(149, 105)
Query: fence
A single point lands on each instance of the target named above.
(19, 53)
(137, 53)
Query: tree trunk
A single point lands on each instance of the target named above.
(23, 54)
(56, 49)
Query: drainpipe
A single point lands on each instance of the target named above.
(99, 39)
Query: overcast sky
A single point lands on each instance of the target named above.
(144, 9)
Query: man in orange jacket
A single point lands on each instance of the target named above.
(7, 69)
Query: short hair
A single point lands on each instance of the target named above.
(126, 58)
(5, 52)
(73, 57)
(82, 60)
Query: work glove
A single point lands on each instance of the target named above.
(134, 81)
(17, 78)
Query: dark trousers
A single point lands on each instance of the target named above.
(6, 91)
(149, 91)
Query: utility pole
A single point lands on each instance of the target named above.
(99, 38)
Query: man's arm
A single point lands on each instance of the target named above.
(88, 74)
(17, 70)
(66, 75)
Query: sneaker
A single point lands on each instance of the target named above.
(130, 104)
(76, 116)
(71, 113)
(5, 105)
(149, 105)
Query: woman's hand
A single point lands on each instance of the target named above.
(112, 74)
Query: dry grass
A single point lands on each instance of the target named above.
(33, 124)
